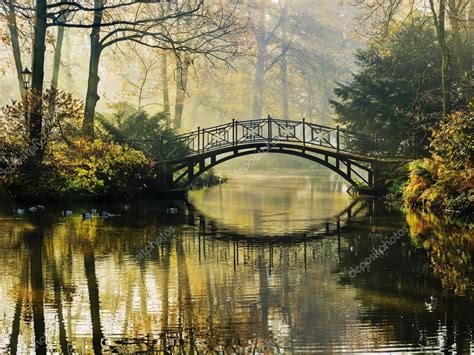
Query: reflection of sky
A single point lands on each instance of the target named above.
(264, 205)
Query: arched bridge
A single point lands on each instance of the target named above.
(185, 157)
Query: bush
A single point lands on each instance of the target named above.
(104, 169)
(143, 131)
(75, 168)
(445, 181)
(86, 170)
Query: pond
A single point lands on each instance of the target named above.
(267, 264)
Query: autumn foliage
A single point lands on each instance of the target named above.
(445, 181)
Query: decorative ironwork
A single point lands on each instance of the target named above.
(269, 130)
(183, 158)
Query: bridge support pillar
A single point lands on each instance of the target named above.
(164, 178)
(190, 172)
(378, 181)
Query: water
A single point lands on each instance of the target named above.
(264, 266)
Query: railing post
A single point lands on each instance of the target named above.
(199, 140)
(203, 136)
(304, 135)
(233, 131)
(269, 129)
(338, 145)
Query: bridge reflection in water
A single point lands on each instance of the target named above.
(74, 286)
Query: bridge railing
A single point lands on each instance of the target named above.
(271, 131)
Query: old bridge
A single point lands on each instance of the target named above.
(351, 155)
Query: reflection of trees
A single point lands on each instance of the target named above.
(94, 302)
(195, 292)
(190, 290)
(34, 242)
(402, 282)
(184, 297)
(57, 285)
(19, 304)
(450, 249)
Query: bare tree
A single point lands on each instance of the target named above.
(111, 24)
(9, 13)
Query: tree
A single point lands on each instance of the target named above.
(112, 23)
(164, 83)
(439, 16)
(451, 44)
(395, 92)
(39, 48)
(284, 62)
(9, 13)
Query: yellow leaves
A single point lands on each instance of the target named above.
(445, 181)
(450, 248)
(103, 168)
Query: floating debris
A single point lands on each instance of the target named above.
(36, 208)
(104, 214)
(87, 216)
(19, 211)
(172, 210)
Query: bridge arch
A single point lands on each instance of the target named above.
(182, 173)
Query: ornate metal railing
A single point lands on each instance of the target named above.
(268, 130)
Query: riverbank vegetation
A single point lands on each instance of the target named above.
(444, 181)
(413, 88)
(120, 163)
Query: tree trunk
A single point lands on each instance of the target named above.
(284, 63)
(445, 54)
(66, 61)
(470, 51)
(457, 47)
(260, 68)
(326, 94)
(39, 47)
(94, 299)
(311, 105)
(15, 46)
(164, 83)
(92, 96)
(56, 65)
(35, 240)
(57, 55)
(181, 86)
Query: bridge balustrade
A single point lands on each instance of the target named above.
(270, 131)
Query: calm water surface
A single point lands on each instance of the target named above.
(264, 266)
